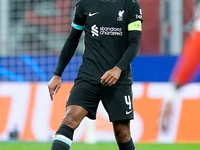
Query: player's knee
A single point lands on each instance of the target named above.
(71, 120)
(122, 135)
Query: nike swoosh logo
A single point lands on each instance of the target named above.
(92, 14)
(128, 112)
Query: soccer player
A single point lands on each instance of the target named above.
(112, 38)
(186, 67)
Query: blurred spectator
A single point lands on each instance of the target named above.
(39, 27)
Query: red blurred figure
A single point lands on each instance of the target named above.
(186, 67)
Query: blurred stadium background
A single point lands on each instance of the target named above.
(32, 33)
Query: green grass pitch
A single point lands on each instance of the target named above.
(97, 146)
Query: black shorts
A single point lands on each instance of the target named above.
(117, 99)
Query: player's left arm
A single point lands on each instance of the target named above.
(134, 35)
(134, 38)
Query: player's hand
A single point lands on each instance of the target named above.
(165, 119)
(110, 77)
(54, 85)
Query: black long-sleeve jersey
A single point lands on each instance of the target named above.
(112, 37)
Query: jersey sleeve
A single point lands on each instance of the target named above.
(135, 16)
(79, 17)
(134, 34)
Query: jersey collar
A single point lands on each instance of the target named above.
(108, 1)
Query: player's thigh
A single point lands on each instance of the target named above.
(74, 115)
(85, 95)
(117, 101)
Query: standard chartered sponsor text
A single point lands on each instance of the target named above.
(110, 31)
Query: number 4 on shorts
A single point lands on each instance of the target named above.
(128, 100)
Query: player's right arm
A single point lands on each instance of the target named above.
(64, 58)
(67, 51)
